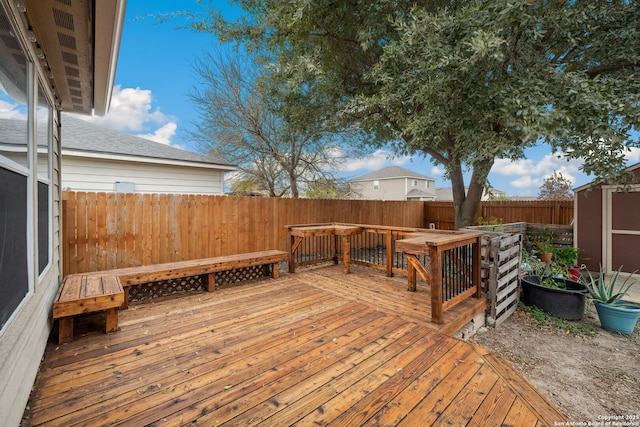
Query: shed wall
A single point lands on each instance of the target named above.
(588, 235)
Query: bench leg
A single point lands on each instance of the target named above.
(275, 272)
(112, 320)
(211, 282)
(65, 329)
(125, 304)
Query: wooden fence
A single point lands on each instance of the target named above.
(558, 212)
(107, 230)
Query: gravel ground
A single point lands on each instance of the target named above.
(589, 373)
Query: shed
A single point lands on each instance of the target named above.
(606, 226)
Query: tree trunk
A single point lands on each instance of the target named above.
(293, 180)
(467, 203)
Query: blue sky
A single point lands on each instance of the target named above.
(155, 74)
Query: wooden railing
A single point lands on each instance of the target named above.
(449, 261)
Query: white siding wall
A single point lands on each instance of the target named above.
(23, 341)
(390, 189)
(85, 174)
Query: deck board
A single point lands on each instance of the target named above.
(317, 347)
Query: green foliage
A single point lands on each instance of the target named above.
(464, 83)
(546, 319)
(329, 189)
(566, 256)
(608, 291)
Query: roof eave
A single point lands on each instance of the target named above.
(109, 21)
(150, 160)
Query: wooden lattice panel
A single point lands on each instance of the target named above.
(149, 291)
(241, 274)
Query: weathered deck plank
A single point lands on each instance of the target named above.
(312, 347)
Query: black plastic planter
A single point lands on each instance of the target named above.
(566, 304)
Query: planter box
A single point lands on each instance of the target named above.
(566, 304)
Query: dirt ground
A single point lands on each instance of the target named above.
(587, 372)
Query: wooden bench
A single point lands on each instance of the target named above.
(80, 294)
(84, 293)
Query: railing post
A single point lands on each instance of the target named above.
(477, 266)
(435, 255)
(390, 252)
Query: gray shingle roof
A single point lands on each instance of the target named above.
(416, 193)
(391, 172)
(81, 135)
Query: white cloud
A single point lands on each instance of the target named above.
(529, 174)
(437, 171)
(377, 160)
(11, 111)
(132, 111)
(633, 156)
(162, 135)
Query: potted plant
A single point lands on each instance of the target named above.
(567, 258)
(545, 251)
(614, 314)
(549, 291)
(545, 246)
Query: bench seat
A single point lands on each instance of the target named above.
(81, 293)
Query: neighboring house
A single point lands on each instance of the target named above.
(394, 183)
(445, 194)
(606, 227)
(54, 56)
(95, 158)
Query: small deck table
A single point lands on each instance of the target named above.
(298, 233)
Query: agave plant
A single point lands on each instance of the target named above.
(605, 291)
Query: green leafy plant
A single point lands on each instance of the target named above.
(546, 248)
(548, 275)
(566, 256)
(608, 291)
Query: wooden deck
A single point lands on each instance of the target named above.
(313, 348)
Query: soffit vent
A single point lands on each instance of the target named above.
(64, 32)
(63, 19)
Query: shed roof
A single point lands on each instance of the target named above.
(635, 168)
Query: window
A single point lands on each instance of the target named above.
(43, 135)
(15, 175)
(414, 183)
(376, 184)
(426, 184)
(26, 118)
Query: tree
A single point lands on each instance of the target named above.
(244, 121)
(555, 186)
(329, 189)
(463, 82)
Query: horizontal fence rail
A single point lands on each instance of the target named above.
(104, 231)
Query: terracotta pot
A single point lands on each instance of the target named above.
(545, 256)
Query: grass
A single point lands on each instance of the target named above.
(568, 327)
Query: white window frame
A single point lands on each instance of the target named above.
(376, 185)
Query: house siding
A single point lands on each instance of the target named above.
(24, 339)
(88, 174)
(390, 189)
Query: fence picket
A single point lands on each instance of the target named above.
(107, 230)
